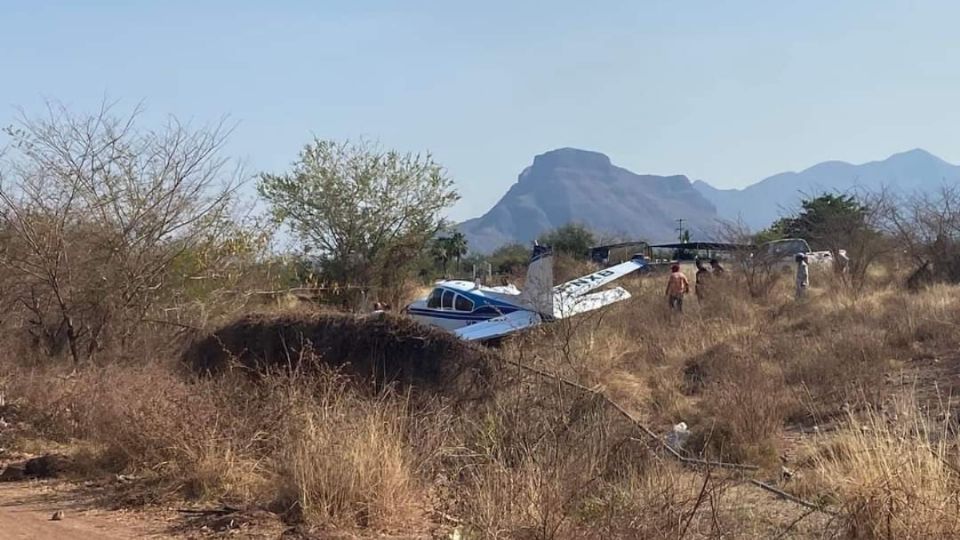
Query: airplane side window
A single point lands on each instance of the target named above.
(433, 301)
(463, 304)
(447, 300)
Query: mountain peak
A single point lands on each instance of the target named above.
(920, 152)
(917, 155)
(572, 158)
(571, 185)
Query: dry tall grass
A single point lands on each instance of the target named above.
(536, 458)
(892, 473)
(313, 448)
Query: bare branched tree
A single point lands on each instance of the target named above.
(862, 238)
(927, 226)
(759, 276)
(95, 212)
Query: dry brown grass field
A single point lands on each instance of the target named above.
(843, 401)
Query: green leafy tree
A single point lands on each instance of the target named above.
(771, 233)
(572, 239)
(837, 222)
(368, 213)
(510, 258)
(824, 220)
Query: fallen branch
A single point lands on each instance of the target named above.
(173, 323)
(222, 511)
(792, 498)
(721, 464)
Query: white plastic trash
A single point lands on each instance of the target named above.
(678, 437)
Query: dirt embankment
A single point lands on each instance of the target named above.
(383, 348)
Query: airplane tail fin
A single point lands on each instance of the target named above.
(538, 288)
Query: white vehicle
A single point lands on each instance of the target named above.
(477, 313)
(781, 254)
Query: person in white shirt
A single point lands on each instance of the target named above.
(843, 262)
(803, 276)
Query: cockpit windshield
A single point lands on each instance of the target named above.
(433, 301)
(446, 299)
(447, 302)
(463, 304)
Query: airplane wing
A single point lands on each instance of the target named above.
(575, 305)
(499, 326)
(585, 284)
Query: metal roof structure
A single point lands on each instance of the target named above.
(705, 246)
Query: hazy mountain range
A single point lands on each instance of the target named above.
(571, 185)
(761, 203)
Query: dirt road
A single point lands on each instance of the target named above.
(26, 509)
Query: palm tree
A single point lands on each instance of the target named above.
(440, 251)
(457, 246)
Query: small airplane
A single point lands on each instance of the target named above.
(478, 313)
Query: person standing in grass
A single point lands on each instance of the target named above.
(701, 279)
(842, 262)
(803, 276)
(677, 286)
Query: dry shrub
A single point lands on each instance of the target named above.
(832, 368)
(537, 458)
(147, 419)
(758, 279)
(891, 475)
(928, 319)
(320, 448)
(533, 502)
(723, 300)
(527, 501)
(200, 437)
(663, 501)
(741, 407)
(345, 460)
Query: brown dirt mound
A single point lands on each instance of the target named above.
(382, 347)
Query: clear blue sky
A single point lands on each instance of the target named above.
(729, 92)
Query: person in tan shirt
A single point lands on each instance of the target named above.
(677, 286)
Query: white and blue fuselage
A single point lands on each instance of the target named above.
(453, 304)
(479, 313)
